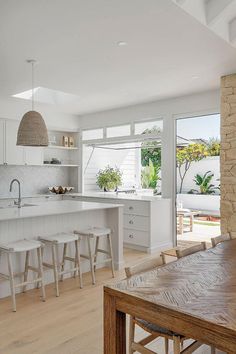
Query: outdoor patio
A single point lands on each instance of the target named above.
(202, 231)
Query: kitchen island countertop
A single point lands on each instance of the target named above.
(52, 208)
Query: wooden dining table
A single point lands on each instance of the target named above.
(194, 296)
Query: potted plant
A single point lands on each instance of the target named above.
(109, 178)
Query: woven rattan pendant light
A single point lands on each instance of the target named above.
(32, 129)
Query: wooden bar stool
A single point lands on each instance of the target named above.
(20, 247)
(53, 241)
(96, 233)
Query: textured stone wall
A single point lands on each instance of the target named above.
(228, 154)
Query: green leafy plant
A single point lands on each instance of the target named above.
(109, 178)
(204, 184)
(186, 156)
(150, 175)
(151, 149)
(213, 147)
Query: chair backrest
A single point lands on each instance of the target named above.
(221, 238)
(190, 250)
(144, 266)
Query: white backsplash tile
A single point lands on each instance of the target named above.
(34, 179)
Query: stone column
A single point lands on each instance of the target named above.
(228, 154)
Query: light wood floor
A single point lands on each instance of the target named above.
(70, 324)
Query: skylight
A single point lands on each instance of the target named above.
(45, 95)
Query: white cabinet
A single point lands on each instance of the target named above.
(14, 153)
(33, 155)
(2, 142)
(147, 222)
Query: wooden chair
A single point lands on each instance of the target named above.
(190, 250)
(154, 330)
(219, 239)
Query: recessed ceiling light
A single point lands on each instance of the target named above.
(122, 43)
(195, 77)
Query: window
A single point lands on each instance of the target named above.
(149, 127)
(122, 130)
(92, 134)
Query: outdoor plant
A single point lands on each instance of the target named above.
(213, 147)
(109, 178)
(204, 184)
(185, 156)
(150, 175)
(151, 149)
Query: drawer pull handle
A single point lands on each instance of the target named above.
(131, 208)
(131, 222)
(131, 236)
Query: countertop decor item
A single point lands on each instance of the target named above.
(55, 161)
(109, 178)
(60, 189)
(32, 129)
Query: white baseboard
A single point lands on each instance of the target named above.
(157, 248)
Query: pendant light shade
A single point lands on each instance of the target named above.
(32, 129)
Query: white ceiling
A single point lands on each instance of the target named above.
(75, 42)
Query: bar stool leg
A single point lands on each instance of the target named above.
(91, 260)
(76, 264)
(111, 254)
(55, 267)
(96, 253)
(42, 250)
(40, 272)
(26, 269)
(11, 278)
(63, 260)
(77, 256)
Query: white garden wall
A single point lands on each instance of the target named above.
(199, 202)
(208, 164)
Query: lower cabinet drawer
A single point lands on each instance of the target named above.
(136, 222)
(136, 237)
(136, 207)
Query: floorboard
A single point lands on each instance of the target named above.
(70, 324)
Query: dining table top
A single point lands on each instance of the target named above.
(199, 289)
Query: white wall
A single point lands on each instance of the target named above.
(201, 167)
(14, 108)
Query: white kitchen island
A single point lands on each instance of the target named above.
(44, 219)
(147, 219)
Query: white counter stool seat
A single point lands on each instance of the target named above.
(54, 241)
(22, 246)
(96, 233)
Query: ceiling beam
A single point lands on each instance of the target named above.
(215, 8)
(232, 30)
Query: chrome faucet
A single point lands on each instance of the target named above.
(19, 195)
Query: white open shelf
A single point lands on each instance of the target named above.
(58, 165)
(61, 147)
